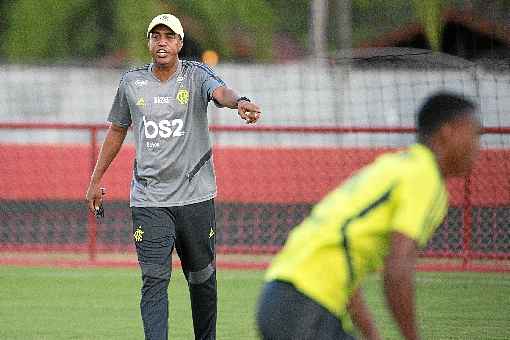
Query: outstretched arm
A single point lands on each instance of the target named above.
(399, 283)
(361, 316)
(111, 146)
(227, 97)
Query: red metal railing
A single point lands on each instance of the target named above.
(463, 197)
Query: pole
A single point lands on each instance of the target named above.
(467, 218)
(342, 66)
(344, 25)
(319, 11)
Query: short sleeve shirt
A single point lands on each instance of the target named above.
(347, 234)
(173, 164)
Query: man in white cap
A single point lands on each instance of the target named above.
(173, 185)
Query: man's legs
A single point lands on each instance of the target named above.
(154, 236)
(195, 241)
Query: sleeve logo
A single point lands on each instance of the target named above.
(183, 96)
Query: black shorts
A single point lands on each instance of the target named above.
(285, 313)
(191, 229)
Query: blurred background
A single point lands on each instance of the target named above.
(111, 33)
(338, 81)
(294, 58)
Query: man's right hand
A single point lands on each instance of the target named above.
(94, 197)
(111, 146)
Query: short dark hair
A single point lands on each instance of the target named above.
(441, 108)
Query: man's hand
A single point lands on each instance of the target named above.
(226, 97)
(248, 111)
(94, 197)
(111, 146)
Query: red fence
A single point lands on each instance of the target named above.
(42, 195)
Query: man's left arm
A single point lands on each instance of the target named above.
(247, 110)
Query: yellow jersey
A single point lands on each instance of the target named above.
(347, 234)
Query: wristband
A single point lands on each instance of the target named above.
(243, 98)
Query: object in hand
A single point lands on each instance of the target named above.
(99, 211)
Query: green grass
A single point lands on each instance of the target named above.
(49, 303)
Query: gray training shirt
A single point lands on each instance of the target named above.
(173, 163)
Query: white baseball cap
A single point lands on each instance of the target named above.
(169, 21)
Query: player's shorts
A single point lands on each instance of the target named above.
(191, 229)
(284, 313)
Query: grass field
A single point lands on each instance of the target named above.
(50, 303)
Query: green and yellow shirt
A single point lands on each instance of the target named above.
(347, 234)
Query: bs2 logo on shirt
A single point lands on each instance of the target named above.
(164, 128)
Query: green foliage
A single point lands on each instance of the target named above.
(292, 17)
(48, 29)
(225, 21)
(372, 18)
(131, 18)
(429, 14)
(44, 30)
(68, 30)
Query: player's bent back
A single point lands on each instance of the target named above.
(347, 234)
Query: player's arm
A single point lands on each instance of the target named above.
(227, 97)
(399, 288)
(361, 316)
(111, 146)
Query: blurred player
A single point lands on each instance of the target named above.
(378, 218)
(173, 184)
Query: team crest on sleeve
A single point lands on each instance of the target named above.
(183, 96)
